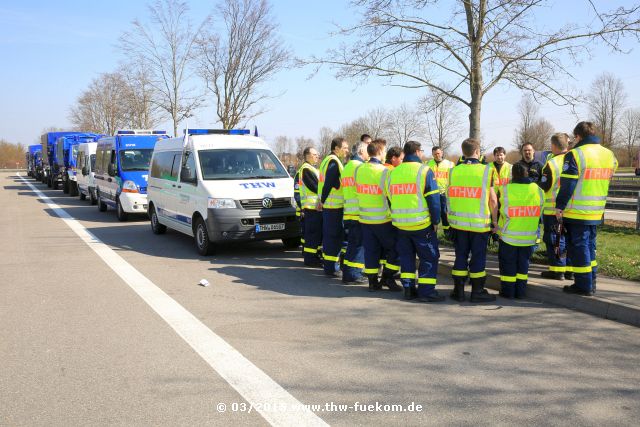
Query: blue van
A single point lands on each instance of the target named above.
(66, 156)
(33, 159)
(122, 170)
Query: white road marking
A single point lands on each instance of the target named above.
(273, 402)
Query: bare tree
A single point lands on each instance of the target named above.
(477, 46)
(353, 130)
(282, 146)
(142, 111)
(442, 119)
(606, 101)
(103, 107)
(376, 122)
(406, 124)
(164, 46)
(630, 131)
(12, 155)
(236, 62)
(301, 143)
(325, 136)
(533, 129)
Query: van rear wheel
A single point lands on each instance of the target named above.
(92, 197)
(156, 227)
(201, 237)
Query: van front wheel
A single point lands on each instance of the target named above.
(156, 227)
(120, 213)
(203, 244)
(102, 206)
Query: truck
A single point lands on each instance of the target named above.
(67, 155)
(47, 140)
(32, 159)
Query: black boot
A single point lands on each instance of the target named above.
(478, 292)
(374, 284)
(410, 292)
(554, 275)
(389, 281)
(568, 275)
(458, 290)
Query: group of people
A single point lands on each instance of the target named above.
(380, 210)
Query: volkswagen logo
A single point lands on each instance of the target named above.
(267, 203)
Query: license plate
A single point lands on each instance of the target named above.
(269, 227)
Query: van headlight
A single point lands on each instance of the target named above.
(129, 187)
(293, 202)
(221, 204)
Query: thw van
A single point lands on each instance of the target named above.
(122, 168)
(67, 156)
(86, 164)
(221, 186)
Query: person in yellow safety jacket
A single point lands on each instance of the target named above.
(559, 267)
(378, 235)
(415, 211)
(462, 159)
(520, 209)
(500, 169)
(584, 184)
(394, 157)
(308, 187)
(354, 254)
(441, 168)
(331, 204)
(471, 196)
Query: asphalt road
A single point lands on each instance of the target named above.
(79, 346)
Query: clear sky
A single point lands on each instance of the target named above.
(51, 50)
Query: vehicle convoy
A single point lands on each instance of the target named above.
(122, 168)
(47, 140)
(33, 157)
(221, 186)
(86, 164)
(66, 156)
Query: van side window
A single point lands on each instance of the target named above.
(188, 161)
(175, 166)
(99, 155)
(162, 164)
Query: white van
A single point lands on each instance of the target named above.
(221, 186)
(86, 164)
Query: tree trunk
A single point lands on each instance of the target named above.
(474, 117)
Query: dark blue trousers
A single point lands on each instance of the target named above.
(467, 242)
(444, 219)
(354, 255)
(581, 246)
(380, 239)
(312, 235)
(514, 269)
(559, 265)
(332, 238)
(424, 244)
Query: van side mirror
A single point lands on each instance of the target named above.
(84, 171)
(111, 169)
(185, 175)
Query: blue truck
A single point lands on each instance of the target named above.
(34, 160)
(66, 156)
(47, 140)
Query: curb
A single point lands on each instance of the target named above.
(597, 306)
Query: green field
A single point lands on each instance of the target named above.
(618, 252)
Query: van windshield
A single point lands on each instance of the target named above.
(136, 159)
(240, 164)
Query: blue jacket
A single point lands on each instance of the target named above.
(433, 200)
(568, 183)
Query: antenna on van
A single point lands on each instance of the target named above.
(185, 138)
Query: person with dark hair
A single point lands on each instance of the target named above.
(584, 184)
(520, 208)
(559, 267)
(378, 235)
(471, 201)
(354, 254)
(500, 169)
(311, 219)
(365, 138)
(415, 211)
(331, 204)
(441, 168)
(394, 157)
(534, 167)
